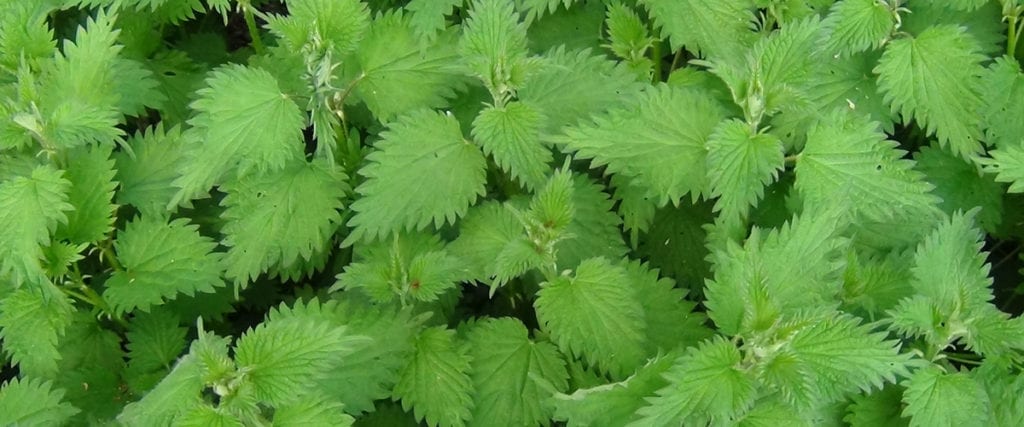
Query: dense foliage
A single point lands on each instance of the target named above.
(511, 212)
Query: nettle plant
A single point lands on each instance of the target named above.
(511, 212)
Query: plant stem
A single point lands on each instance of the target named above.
(254, 32)
(656, 60)
(675, 60)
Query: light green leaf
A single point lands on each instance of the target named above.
(595, 315)
(32, 402)
(312, 412)
(848, 156)
(414, 265)
(721, 29)
(879, 409)
(397, 73)
(207, 416)
(161, 260)
(337, 26)
(282, 357)
(1008, 165)
(424, 172)
(243, 122)
(705, 384)
(436, 384)
(934, 79)
(511, 136)
(32, 321)
(961, 185)
(493, 46)
(595, 228)
(1002, 88)
(428, 16)
(857, 25)
(176, 393)
(615, 404)
(660, 142)
(155, 340)
(147, 176)
(274, 219)
(31, 207)
(670, 320)
(740, 165)
(963, 5)
(950, 269)
(937, 399)
(91, 173)
(512, 374)
(487, 245)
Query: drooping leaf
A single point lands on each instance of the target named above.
(91, 173)
(32, 321)
(435, 384)
(146, 173)
(720, 29)
(33, 402)
(936, 398)
(31, 207)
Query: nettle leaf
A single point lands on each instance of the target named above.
(206, 415)
(161, 260)
(846, 154)
(961, 185)
(414, 265)
(595, 228)
(720, 29)
(32, 322)
(535, 9)
(512, 374)
(312, 412)
(511, 136)
(397, 73)
(569, 86)
(705, 385)
(493, 45)
(243, 122)
(493, 245)
(881, 408)
(1008, 165)
(424, 172)
(31, 207)
(428, 16)
(964, 5)
(146, 172)
(176, 393)
(595, 315)
(669, 319)
(740, 164)
(858, 25)
(843, 357)
(91, 173)
(615, 404)
(1003, 91)
(155, 340)
(436, 384)
(280, 218)
(336, 25)
(91, 354)
(282, 357)
(762, 275)
(33, 402)
(934, 79)
(936, 398)
(660, 142)
(950, 268)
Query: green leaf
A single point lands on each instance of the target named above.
(395, 73)
(91, 354)
(857, 25)
(879, 409)
(535, 9)
(595, 315)
(848, 156)
(670, 320)
(161, 260)
(31, 207)
(936, 398)
(961, 185)
(436, 384)
(1008, 165)
(660, 142)
(92, 191)
(33, 402)
(177, 392)
(1002, 88)
(720, 29)
(155, 340)
(336, 26)
(627, 34)
(512, 374)
(146, 177)
(705, 384)
(493, 46)
(595, 228)
(740, 165)
(423, 172)
(207, 416)
(414, 265)
(32, 321)
(934, 79)
(283, 356)
(136, 88)
(312, 412)
(274, 219)
(371, 371)
(950, 267)
(243, 121)
(493, 245)
(511, 136)
(428, 16)
(24, 34)
(963, 5)
(842, 357)
(614, 404)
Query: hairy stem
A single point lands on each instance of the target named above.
(254, 32)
